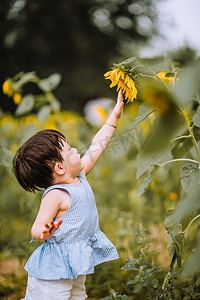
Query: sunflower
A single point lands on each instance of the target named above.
(123, 81)
(7, 89)
(167, 77)
(17, 98)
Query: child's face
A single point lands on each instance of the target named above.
(71, 159)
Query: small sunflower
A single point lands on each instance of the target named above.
(173, 196)
(167, 77)
(17, 98)
(10, 92)
(123, 81)
(7, 89)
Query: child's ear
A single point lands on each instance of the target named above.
(59, 169)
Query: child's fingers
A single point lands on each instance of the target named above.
(49, 225)
(57, 224)
(43, 235)
(120, 97)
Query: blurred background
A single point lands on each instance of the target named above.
(81, 40)
(78, 41)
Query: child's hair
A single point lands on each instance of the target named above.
(34, 161)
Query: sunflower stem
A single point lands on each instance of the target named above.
(178, 159)
(181, 137)
(191, 223)
(190, 129)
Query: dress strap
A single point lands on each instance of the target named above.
(66, 187)
(56, 186)
(81, 176)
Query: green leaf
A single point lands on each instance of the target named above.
(144, 161)
(138, 288)
(43, 113)
(173, 227)
(126, 62)
(192, 266)
(190, 176)
(26, 105)
(113, 293)
(187, 205)
(55, 105)
(171, 223)
(196, 118)
(180, 147)
(50, 83)
(135, 280)
(124, 297)
(163, 130)
(142, 188)
(24, 78)
(143, 113)
(156, 252)
(188, 84)
(154, 283)
(147, 181)
(6, 157)
(29, 131)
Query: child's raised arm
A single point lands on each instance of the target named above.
(103, 137)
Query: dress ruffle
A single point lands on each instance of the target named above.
(63, 260)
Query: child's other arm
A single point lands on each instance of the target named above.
(53, 202)
(103, 137)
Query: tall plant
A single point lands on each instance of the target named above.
(171, 97)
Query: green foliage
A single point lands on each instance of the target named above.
(172, 97)
(145, 274)
(6, 157)
(30, 102)
(173, 101)
(143, 266)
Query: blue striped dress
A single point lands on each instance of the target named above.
(78, 245)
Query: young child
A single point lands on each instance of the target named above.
(67, 219)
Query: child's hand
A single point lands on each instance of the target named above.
(49, 230)
(118, 109)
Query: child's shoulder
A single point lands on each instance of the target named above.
(56, 193)
(58, 197)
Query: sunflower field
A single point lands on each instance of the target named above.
(146, 183)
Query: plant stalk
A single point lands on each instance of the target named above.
(179, 159)
(192, 135)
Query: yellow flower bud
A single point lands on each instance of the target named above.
(7, 90)
(173, 196)
(17, 98)
(167, 79)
